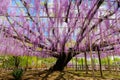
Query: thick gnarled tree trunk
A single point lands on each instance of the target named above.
(61, 62)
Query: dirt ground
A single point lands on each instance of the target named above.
(64, 75)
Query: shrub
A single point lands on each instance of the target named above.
(17, 74)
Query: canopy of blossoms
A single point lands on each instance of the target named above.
(50, 27)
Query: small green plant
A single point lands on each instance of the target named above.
(17, 74)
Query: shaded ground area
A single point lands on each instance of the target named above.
(64, 75)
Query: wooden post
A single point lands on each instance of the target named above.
(82, 63)
(92, 62)
(76, 63)
(86, 66)
(115, 65)
(99, 58)
(108, 64)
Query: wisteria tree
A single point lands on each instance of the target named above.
(59, 28)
